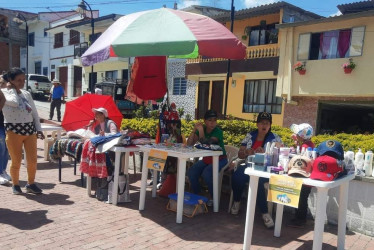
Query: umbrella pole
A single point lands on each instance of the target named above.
(167, 84)
(229, 61)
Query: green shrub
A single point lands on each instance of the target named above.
(234, 132)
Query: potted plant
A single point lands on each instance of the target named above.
(349, 66)
(300, 67)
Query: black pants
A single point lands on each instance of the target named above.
(56, 103)
(302, 211)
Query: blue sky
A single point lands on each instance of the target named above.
(321, 7)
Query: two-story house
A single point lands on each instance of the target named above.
(253, 81)
(327, 97)
(113, 69)
(61, 52)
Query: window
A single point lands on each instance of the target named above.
(74, 37)
(59, 40)
(32, 39)
(38, 68)
(95, 36)
(111, 75)
(45, 71)
(263, 34)
(179, 86)
(331, 44)
(39, 78)
(45, 32)
(259, 95)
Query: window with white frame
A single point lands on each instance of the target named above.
(331, 44)
(259, 95)
(179, 86)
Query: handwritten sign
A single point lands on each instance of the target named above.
(284, 190)
(157, 159)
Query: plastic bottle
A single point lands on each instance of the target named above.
(368, 163)
(359, 162)
(298, 150)
(314, 153)
(309, 153)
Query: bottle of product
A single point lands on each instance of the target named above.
(314, 153)
(298, 150)
(309, 151)
(368, 163)
(359, 163)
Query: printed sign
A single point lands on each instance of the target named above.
(157, 159)
(284, 190)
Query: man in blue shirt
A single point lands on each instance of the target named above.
(57, 92)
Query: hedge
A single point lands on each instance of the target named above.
(234, 132)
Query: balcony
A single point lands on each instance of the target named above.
(79, 49)
(262, 51)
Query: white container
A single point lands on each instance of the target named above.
(368, 163)
(359, 159)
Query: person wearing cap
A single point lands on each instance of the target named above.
(57, 92)
(254, 142)
(302, 136)
(101, 124)
(206, 133)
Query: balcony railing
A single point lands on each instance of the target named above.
(262, 51)
(79, 49)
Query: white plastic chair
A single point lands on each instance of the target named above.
(232, 154)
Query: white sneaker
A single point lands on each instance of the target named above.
(268, 221)
(5, 175)
(235, 208)
(3, 181)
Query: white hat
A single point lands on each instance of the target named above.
(101, 110)
(56, 81)
(304, 130)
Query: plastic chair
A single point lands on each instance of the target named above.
(270, 204)
(232, 154)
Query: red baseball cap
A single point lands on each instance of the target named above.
(326, 168)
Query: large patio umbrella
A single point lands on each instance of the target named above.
(165, 32)
(78, 113)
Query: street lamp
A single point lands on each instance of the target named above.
(21, 18)
(229, 61)
(82, 8)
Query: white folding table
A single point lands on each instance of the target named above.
(322, 189)
(182, 153)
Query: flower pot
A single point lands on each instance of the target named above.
(302, 71)
(347, 70)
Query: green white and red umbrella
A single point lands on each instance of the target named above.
(165, 32)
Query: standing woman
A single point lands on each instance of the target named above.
(22, 127)
(4, 177)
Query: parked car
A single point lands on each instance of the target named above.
(38, 85)
(118, 91)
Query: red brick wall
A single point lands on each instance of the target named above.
(307, 109)
(4, 60)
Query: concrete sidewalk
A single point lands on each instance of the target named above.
(64, 217)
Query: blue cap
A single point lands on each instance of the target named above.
(331, 148)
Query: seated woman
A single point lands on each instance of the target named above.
(101, 124)
(98, 164)
(253, 143)
(207, 133)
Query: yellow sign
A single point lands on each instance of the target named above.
(157, 159)
(284, 190)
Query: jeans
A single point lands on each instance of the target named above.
(200, 168)
(238, 183)
(56, 103)
(302, 211)
(3, 151)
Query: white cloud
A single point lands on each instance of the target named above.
(338, 13)
(186, 3)
(254, 3)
